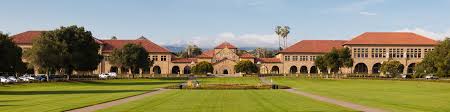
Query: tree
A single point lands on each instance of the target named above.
(345, 57)
(282, 32)
(10, 55)
(47, 54)
(202, 68)
(332, 60)
(437, 61)
(73, 48)
(246, 66)
(391, 68)
(113, 38)
(191, 51)
(263, 53)
(320, 63)
(131, 57)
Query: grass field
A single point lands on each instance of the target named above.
(406, 96)
(230, 80)
(226, 101)
(61, 96)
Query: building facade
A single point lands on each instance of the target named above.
(369, 50)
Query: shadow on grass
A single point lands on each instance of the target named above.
(66, 92)
(125, 83)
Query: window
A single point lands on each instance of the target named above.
(396, 53)
(413, 53)
(163, 58)
(303, 58)
(287, 58)
(312, 58)
(294, 58)
(378, 52)
(155, 58)
(106, 58)
(427, 50)
(361, 52)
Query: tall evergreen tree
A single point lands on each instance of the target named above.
(10, 55)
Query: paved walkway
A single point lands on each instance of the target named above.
(117, 102)
(329, 100)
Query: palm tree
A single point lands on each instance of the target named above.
(285, 32)
(282, 32)
(278, 31)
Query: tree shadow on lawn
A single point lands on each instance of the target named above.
(67, 92)
(125, 83)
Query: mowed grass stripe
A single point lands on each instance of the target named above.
(230, 80)
(60, 96)
(226, 101)
(403, 96)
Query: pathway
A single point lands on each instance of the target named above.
(117, 102)
(329, 100)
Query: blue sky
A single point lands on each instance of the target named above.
(242, 22)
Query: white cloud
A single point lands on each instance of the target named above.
(431, 34)
(367, 13)
(244, 40)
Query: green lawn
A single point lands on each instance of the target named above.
(390, 95)
(230, 80)
(61, 96)
(226, 101)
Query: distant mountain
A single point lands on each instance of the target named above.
(179, 48)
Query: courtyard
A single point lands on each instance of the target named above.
(387, 95)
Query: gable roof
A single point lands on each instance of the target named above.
(225, 45)
(391, 38)
(110, 45)
(26, 37)
(314, 46)
(206, 54)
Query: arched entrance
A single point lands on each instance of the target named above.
(313, 70)
(187, 70)
(361, 68)
(275, 70)
(411, 68)
(304, 70)
(175, 70)
(293, 70)
(225, 71)
(401, 68)
(113, 69)
(376, 68)
(157, 70)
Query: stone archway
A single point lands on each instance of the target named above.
(401, 68)
(187, 70)
(376, 68)
(175, 70)
(146, 70)
(225, 71)
(303, 70)
(410, 69)
(293, 70)
(156, 70)
(313, 70)
(275, 70)
(361, 68)
(114, 69)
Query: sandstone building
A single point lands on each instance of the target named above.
(369, 50)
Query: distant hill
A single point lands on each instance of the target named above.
(178, 48)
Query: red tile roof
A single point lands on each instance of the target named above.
(226, 45)
(110, 45)
(268, 60)
(26, 37)
(314, 46)
(184, 60)
(206, 54)
(246, 55)
(391, 38)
